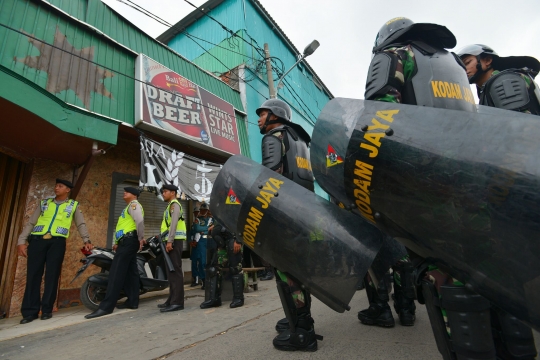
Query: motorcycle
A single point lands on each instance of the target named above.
(95, 287)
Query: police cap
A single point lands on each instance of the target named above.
(170, 187)
(65, 182)
(196, 209)
(133, 191)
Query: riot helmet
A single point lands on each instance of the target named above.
(401, 29)
(283, 111)
(499, 63)
(278, 108)
(479, 51)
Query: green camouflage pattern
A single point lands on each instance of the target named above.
(223, 259)
(296, 292)
(404, 71)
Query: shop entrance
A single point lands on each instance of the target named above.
(13, 192)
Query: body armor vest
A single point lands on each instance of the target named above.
(508, 90)
(296, 162)
(439, 81)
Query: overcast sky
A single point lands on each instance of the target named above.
(346, 29)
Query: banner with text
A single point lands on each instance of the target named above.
(162, 165)
(170, 102)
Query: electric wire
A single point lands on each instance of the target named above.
(164, 22)
(106, 67)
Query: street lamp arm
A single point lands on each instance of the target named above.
(288, 71)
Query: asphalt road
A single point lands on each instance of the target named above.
(219, 333)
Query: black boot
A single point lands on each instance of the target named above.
(212, 294)
(269, 275)
(379, 312)
(282, 325)
(238, 290)
(513, 339)
(194, 281)
(404, 292)
(303, 338)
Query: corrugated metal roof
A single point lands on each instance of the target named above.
(115, 26)
(212, 4)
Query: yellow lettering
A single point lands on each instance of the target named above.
(249, 240)
(255, 214)
(447, 89)
(267, 187)
(364, 208)
(250, 230)
(436, 91)
(267, 196)
(362, 196)
(373, 149)
(377, 125)
(253, 224)
(387, 114)
(362, 184)
(374, 138)
(277, 183)
(457, 90)
(264, 204)
(442, 89)
(363, 170)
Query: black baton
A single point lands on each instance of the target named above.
(165, 254)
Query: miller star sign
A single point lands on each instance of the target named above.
(170, 105)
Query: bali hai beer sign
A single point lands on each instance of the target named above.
(170, 105)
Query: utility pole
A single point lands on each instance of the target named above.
(269, 72)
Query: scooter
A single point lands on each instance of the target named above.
(94, 288)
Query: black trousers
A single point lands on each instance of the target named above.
(123, 275)
(42, 254)
(176, 277)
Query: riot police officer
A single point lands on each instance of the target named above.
(223, 250)
(490, 72)
(128, 240)
(407, 57)
(283, 142)
(47, 232)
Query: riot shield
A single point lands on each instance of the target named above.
(324, 247)
(461, 189)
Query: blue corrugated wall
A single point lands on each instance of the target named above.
(305, 98)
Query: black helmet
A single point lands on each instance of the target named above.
(277, 107)
(401, 29)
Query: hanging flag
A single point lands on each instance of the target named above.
(232, 199)
(162, 165)
(332, 158)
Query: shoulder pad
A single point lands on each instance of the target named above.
(271, 152)
(381, 68)
(508, 91)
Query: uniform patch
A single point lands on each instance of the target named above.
(232, 199)
(332, 158)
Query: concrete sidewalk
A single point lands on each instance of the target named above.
(11, 328)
